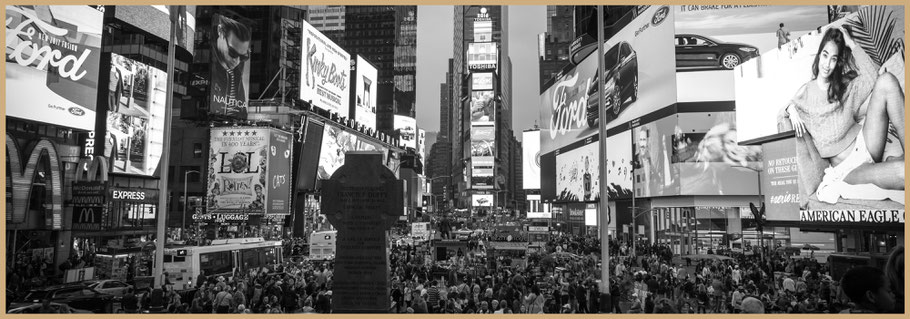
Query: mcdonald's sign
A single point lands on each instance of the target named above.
(21, 178)
(88, 204)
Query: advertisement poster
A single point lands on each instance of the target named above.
(406, 128)
(278, 199)
(619, 165)
(482, 177)
(709, 159)
(482, 56)
(711, 40)
(639, 70)
(365, 93)
(53, 53)
(867, 185)
(324, 72)
(420, 231)
(483, 141)
(335, 143)
(237, 175)
(421, 145)
(482, 81)
(780, 180)
(654, 175)
(482, 200)
(157, 20)
(482, 107)
(230, 78)
(530, 157)
(578, 172)
(135, 117)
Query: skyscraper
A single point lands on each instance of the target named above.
(553, 46)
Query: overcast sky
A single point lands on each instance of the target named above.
(434, 49)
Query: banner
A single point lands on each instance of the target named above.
(238, 165)
(365, 91)
(52, 61)
(709, 159)
(230, 77)
(654, 175)
(711, 40)
(482, 108)
(619, 165)
(530, 158)
(324, 72)
(481, 200)
(639, 70)
(578, 172)
(278, 197)
(137, 97)
(780, 180)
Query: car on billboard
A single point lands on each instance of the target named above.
(698, 51)
(621, 85)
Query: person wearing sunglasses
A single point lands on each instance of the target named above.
(231, 51)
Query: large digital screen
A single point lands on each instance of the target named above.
(709, 159)
(530, 158)
(578, 172)
(482, 81)
(711, 40)
(229, 83)
(482, 56)
(652, 168)
(365, 88)
(324, 72)
(483, 141)
(619, 165)
(337, 141)
(238, 170)
(156, 20)
(53, 58)
(406, 127)
(638, 68)
(482, 109)
(780, 180)
(135, 118)
(481, 200)
(866, 183)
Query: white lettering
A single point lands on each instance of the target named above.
(567, 116)
(67, 66)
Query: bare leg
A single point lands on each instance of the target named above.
(887, 175)
(886, 105)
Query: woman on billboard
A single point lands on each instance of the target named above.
(848, 134)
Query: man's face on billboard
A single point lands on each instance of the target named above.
(231, 50)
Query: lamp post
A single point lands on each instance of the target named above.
(185, 199)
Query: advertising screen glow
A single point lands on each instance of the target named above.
(324, 71)
(135, 118)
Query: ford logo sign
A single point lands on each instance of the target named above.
(660, 15)
(76, 111)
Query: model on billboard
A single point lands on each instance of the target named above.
(783, 36)
(231, 50)
(847, 135)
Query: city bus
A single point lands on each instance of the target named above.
(183, 264)
(322, 245)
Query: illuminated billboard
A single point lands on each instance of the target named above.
(336, 142)
(53, 58)
(530, 157)
(482, 109)
(481, 81)
(619, 165)
(365, 86)
(483, 141)
(135, 119)
(237, 172)
(421, 145)
(324, 72)
(229, 83)
(709, 159)
(578, 172)
(278, 178)
(482, 200)
(652, 168)
(482, 56)
(406, 128)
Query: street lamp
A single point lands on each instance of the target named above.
(186, 199)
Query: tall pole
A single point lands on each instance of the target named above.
(605, 302)
(185, 198)
(165, 153)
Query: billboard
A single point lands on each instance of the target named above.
(278, 197)
(324, 72)
(483, 141)
(336, 142)
(156, 20)
(135, 118)
(849, 155)
(482, 81)
(237, 174)
(530, 158)
(482, 200)
(482, 56)
(780, 180)
(365, 86)
(53, 54)
(420, 231)
(421, 145)
(230, 77)
(578, 172)
(619, 165)
(709, 159)
(763, 90)
(406, 128)
(639, 70)
(651, 166)
(482, 107)
(711, 40)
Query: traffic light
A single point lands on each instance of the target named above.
(759, 215)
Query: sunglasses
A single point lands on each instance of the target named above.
(234, 54)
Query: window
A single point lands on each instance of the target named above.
(216, 262)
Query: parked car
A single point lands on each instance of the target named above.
(55, 307)
(700, 52)
(621, 85)
(109, 286)
(77, 296)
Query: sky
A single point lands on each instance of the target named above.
(434, 48)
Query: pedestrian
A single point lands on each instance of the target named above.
(869, 290)
(223, 300)
(894, 270)
(752, 305)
